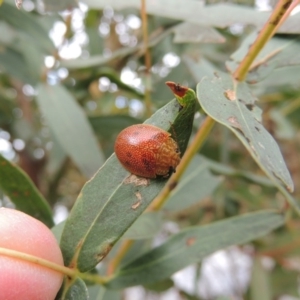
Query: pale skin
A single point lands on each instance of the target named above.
(20, 279)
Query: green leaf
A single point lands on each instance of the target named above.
(10, 36)
(69, 124)
(194, 33)
(283, 78)
(235, 108)
(177, 74)
(56, 158)
(58, 229)
(283, 126)
(16, 184)
(183, 124)
(192, 245)
(99, 60)
(33, 58)
(260, 282)
(109, 125)
(28, 24)
(15, 65)
(189, 191)
(219, 15)
(284, 280)
(112, 200)
(223, 169)
(145, 227)
(58, 5)
(161, 286)
(101, 293)
(277, 53)
(74, 290)
(199, 69)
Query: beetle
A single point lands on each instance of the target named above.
(147, 151)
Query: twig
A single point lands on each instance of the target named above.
(276, 19)
(148, 84)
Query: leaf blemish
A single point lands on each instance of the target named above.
(230, 95)
(136, 205)
(173, 185)
(250, 106)
(190, 241)
(137, 181)
(103, 253)
(234, 122)
(138, 195)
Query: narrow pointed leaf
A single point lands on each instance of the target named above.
(28, 24)
(15, 65)
(112, 124)
(58, 5)
(101, 293)
(100, 60)
(196, 184)
(192, 245)
(145, 227)
(193, 33)
(260, 282)
(16, 184)
(75, 290)
(277, 53)
(218, 15)
(71, 127)
(113, 199)
(235, 108)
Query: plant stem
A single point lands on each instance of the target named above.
(113, 264)
(38, 261)
(148, 85)
(193, 148)
(275, 20)
(51, 265)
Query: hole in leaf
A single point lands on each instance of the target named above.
(250, 106)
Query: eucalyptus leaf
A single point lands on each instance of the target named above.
(200, 68)
(100, 60)
(28, 24)
(222, 169)
(33, 57)
(75, 290)
(16, 184)
(58, 229)
(112, 200)
(69, 124)
(97, 292)
(58, 5)
(56, 158)
(145, 227)
(15, 65)
(112, 124)
(233, 105)
(260, 282)
(277, 53)
(193, 244)
(287, 78)
(196, 184)
(220, 15)
(194, 33)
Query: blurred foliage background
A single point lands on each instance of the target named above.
(99, 81)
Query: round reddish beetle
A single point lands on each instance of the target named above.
(147, 151)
